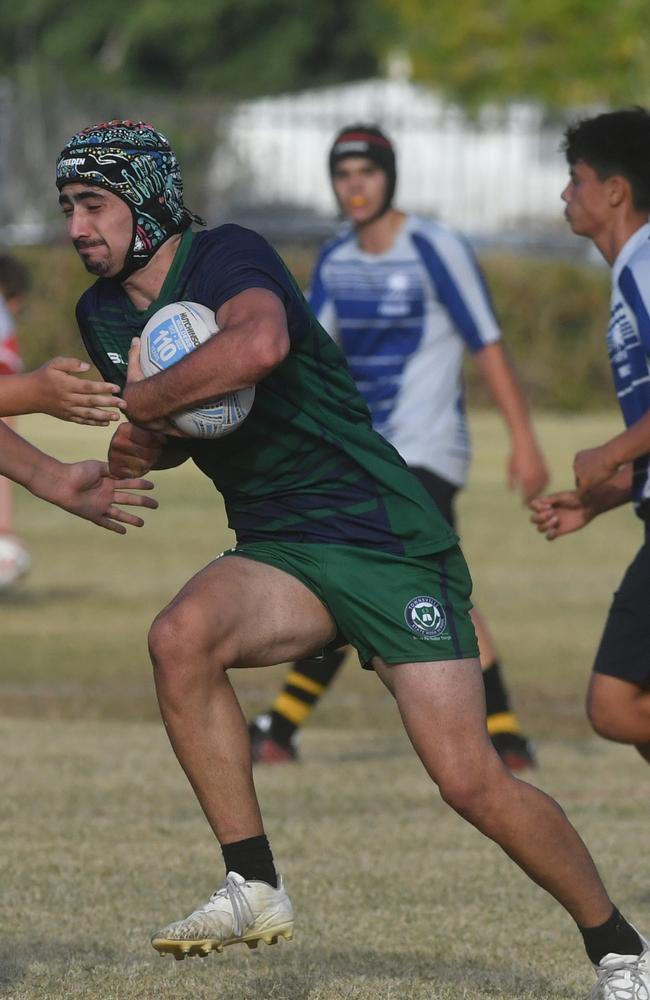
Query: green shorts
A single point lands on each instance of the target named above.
(404, 609)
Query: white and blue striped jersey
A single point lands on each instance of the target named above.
(403, 319)
(628, 342)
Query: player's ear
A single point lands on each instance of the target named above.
(619, 190)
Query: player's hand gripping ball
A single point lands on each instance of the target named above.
(171, 334)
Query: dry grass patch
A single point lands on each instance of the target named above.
(397, 899)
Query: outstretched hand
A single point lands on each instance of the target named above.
(61, 393)
(561, 513)
(88, 490)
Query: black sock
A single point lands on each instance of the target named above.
(496, 696)
(252, 859)
(305, 685)
(281, 729)
(615, 935)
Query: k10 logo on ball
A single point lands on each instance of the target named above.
(172, 340)
(426, 617)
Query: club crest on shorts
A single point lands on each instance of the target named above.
(426, 617)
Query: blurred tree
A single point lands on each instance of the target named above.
(237, 48)
(561, 52)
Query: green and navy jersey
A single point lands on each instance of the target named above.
(306, 464)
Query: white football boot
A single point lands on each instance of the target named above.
(623, 977)
(238, 912)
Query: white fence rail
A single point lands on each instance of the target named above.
(501, 171)
(498, 176)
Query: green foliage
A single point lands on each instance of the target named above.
(562, 52)
(47, 326)
(238, 48)
(103, 840)
(554, 316)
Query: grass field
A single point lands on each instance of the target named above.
(102, 840)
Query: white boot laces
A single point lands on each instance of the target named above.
(624, 981)
(231, 889)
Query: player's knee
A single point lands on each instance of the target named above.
(177, 646)
(164, 638)
(469, 793)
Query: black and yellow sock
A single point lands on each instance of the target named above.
(500, 717)
(304, 686)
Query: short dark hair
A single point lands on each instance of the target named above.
(14, 277)
(617, 142)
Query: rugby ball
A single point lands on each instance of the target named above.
(171, 334)
(15, 561)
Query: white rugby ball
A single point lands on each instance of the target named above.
(15, 561)
(171, 334)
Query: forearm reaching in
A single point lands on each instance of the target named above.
(82, 488)
(56, 389)
(594, 466)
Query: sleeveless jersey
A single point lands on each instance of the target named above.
(403, 319)
(306, 465)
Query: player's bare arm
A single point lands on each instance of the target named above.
(56, 389)
(82, 488)
(593, 466)
(527, 469)
(253, 340)
(567, 511)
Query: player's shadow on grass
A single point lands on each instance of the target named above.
(311, 970)
(40, 596)
(373, 753)
(385, 751)
(18, 957)
(299, 972)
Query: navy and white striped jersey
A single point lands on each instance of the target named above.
(628, 342)
(403, 319)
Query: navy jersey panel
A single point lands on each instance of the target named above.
(306, 464)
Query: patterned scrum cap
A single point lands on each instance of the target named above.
(136, 163)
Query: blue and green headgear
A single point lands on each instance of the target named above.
(136, 163)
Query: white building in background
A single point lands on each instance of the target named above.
(499, 173)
